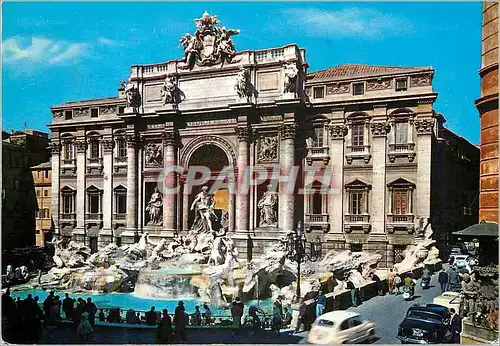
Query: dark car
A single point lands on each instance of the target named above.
(425, 324)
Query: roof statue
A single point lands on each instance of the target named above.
(210, 44)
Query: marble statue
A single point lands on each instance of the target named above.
(268, 205)
(203, 207)
(470, 292)
(291, 73)
(154, 154)
(170, 92)
(155, 208)
(210, 44)
(241, 86)
(268, 149)
(132, 95)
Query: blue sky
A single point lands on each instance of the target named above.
(59, 52)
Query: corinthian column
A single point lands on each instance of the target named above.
(107, 196)
(286, 200)
(55, 149)
(242, 186)
(132, 142)
(81, 148)
(169, 198)
(378, 205)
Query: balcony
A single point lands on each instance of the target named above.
(402, 150)
(317, 221)
(68, 165)
(357, 221)
(67, 219)
(119, 219)
(120, 163)
(93, 218)
(403, 222)
(94, 163)
(318, 154)
(358, 152)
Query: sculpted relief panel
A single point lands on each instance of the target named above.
(267, 81)
(267, 149)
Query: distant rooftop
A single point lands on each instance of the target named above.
(86, 103)
(43, 165)
(357, 70)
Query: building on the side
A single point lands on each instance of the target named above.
(487, 106)
(20, 151)
(369, 132)
(42, 178)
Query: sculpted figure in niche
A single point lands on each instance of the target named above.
(291, 73)
(155, 208)
(268, 149)
(203, 207)
(169, 90)
(132, 95)
(241, 85)
(268, 205)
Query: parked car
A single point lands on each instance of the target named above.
(340, 327)
(449, 299)
(425, 324)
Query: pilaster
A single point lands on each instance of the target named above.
(132, 143)
(169, 197)
(242, 199)
(81, 148)
(286, 200)
(107, 197)
(424, 129)
(379, 154)
(338, 132)
(55, 149)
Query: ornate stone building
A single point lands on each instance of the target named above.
(367, 131)
(42, 179)
(487, 106)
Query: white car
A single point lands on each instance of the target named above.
(449, 299)
(340, 327)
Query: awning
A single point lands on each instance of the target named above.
(482, 229)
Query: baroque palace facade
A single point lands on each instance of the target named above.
(372, 130)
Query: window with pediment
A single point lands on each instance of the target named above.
(94, 200)
(401, 135)
(68, 200)
(401, 195)
(357, 192)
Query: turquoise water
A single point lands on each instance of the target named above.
(127, 301)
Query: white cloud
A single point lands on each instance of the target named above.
(353, 22)
(38, 50)
(106, 41)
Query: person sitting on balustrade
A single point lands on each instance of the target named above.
(196, 316)
(130, 317)
(151, 317)
(207, 314)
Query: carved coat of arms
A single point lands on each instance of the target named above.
(210, 44)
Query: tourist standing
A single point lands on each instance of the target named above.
(196, 316)
(352, 289)
(397, 284)
(85, 330)
(208, 314)
(302, 315)
(390, 281)
(320, 303)
(253, 311)
(180, 320)
(56, 310)
(68, 307)
(164, 329)
(102, 317)
(287, 317)
(151, 317)
(453, 280)
(91, 308)
(455, 326)
(378, 283)
(443, 280)
(237, 312)
(277, 316)
(130, 316)
(47, 307)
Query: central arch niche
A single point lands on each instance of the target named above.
(215, 159)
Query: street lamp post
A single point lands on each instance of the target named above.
(297, 243)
